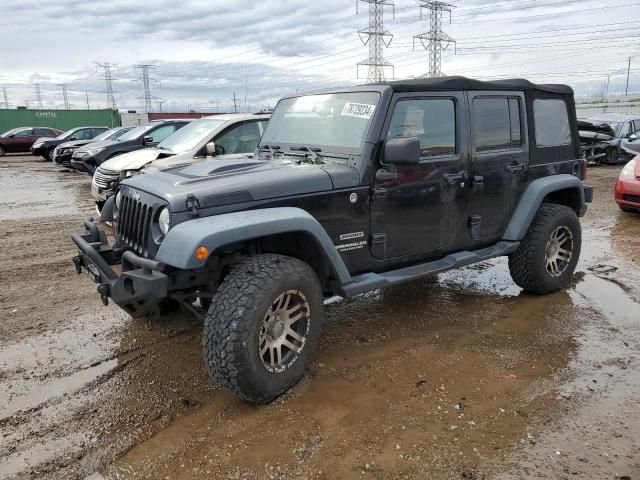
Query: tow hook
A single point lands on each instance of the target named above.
(103, 290)
(77, 260)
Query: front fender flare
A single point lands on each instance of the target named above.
(178, 247)
(532, 198)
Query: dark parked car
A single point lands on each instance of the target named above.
(352, 190)
(45, 146)
(88, 158)
(62, 153)
(602, 137)
(21, 139)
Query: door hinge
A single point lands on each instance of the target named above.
(475, 222)
(379, 193)
(378, 245)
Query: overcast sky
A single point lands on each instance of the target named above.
(205, 50)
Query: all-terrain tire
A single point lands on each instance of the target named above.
(528, 264)
(234, 325)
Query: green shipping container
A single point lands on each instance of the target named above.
(60, 119)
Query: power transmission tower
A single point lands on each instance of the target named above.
(146, 81)
(86, 96)
(108, 82)
(377, 38)
(65, 97)
(6, 99)
(435, 41)
(38, 94)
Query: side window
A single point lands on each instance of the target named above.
(492, 126)
(83, 134)
(240, 139)
(551, 123)
(432, 120)
(23, 133)
(628, 130)
(163, 132)
(44, 132)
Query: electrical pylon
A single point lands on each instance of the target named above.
(38, 94)
(108, 82)
(65, 97)
(435, 41)
(146, 81)
(6, 98)
(377, 38)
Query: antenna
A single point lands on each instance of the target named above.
(38, 94)
(146, 81)
(65, 97)
(435, 40)
(108, 82)
(377, 38)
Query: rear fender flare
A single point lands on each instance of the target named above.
(180, 244)
(533, 197)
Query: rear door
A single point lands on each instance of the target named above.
(499, 159)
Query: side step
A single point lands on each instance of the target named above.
(372, 281)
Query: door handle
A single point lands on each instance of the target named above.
(453, 178)
(383, 175)
(516, 167)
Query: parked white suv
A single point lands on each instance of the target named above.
(210, 136)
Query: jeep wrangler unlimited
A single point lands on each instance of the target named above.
(349, 191)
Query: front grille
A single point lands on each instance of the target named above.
(105, 178)
(134, 224)
(631, 198)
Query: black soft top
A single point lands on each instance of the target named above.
(464, 83)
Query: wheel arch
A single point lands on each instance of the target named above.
(561, 189)
(285, 230)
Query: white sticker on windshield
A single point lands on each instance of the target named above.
(358, 110)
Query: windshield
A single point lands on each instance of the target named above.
(135, 133)
(66, 134)
(336, 122)
(189, 136)
(108, 134)
(6, 134)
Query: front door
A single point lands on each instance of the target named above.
(421, 208)
(499, 159)
(21, 141)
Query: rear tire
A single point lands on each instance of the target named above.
(263, 326)
(2, 151)
(548, 254)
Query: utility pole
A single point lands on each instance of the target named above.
(146, 81)
(38, 94)
(377, 38)
(108, 82)
(435, 41)
(160, 102)
(235, 105)
(626, 91)
(606, 94)
(86, 95)
(6, 99)
(65, 97)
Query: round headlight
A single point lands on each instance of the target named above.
(164, 220)
(118, 199)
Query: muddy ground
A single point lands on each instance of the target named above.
(459, 377)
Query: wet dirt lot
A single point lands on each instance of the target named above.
(458, 377)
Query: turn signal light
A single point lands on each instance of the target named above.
(202, 253)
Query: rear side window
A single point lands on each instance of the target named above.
(551, 123)
(44, 132)
(432, 120)
(497, 123)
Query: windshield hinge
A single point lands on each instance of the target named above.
(192, 205)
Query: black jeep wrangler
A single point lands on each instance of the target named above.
(349, 191)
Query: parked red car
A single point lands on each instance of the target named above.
(628, 186)
(20, 139)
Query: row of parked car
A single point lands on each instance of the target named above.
(112, 155)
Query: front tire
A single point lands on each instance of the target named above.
(611, 156)
(548, 254)
(263, 326)
(49, 154)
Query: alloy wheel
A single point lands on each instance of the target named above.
(559, 251)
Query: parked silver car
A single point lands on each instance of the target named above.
(602, 137)
(210, 136)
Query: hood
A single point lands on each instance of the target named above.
(102, 143)
(74, 144)
(44, 139)
(134, 160)
(226, 181)
(595, 131)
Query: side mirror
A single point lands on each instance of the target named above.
(633, 137)
(147, 139)
(402, 151)
(72, 138)
(211, 149)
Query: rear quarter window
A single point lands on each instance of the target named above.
(551, 121)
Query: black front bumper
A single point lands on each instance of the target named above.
(82, 166)
(63, 159)
(140, 287)
(37, 151)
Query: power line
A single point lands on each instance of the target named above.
(377, 37)
(146, 81)
(108, 82)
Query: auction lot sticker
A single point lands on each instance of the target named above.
(358, 110)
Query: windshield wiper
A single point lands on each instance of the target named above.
(313, 151)
(272, 149)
